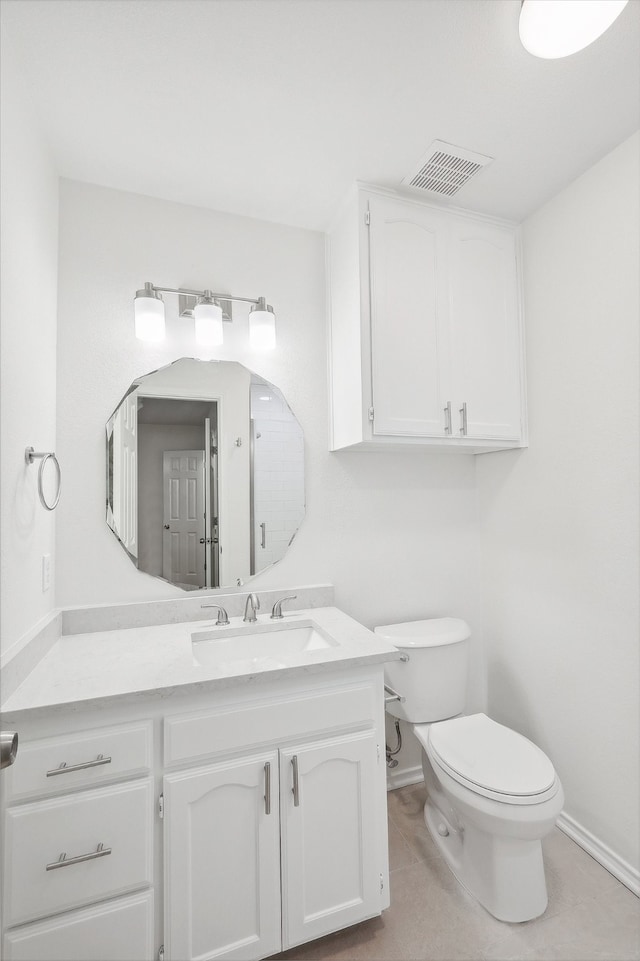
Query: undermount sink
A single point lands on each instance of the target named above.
(258, 643)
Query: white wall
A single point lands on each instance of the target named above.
(28, 243)
(396, 534)
(560, 520)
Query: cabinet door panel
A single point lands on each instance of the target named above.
(222, 861)
(485, 334)
(330, 876)
(408, 302)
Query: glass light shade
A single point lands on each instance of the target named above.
(208, 318)
(557, 28)
(149, 318)
(262, 329)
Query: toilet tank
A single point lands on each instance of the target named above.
(433, 677)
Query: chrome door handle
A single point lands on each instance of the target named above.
(263, 536)
(447, 418)
(267, 788)
(63, 769)
(65, 862)
(296, 784)
(463, 419)
(8, 748)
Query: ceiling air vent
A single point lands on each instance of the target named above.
(445, 169)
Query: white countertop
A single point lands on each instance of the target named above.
(159, 659)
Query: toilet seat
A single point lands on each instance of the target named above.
(490, 759)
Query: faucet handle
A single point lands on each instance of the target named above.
(223, 617)
(276, 613)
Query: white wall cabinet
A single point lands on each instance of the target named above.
(425, 328)
(237, 826)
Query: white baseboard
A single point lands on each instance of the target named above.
(614, 864)
(400, 777)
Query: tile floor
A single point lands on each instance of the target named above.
(591, 916)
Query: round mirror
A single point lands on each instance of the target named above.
(205, 474)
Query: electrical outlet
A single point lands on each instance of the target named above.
(46, 572)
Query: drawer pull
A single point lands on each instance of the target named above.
(64, 862)
(64, 769)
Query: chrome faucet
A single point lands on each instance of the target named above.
(276, 613)
(223, 617)
(250, 608)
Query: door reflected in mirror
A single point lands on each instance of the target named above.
(205, 474)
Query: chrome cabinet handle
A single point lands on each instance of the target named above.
(65, 862)
(296, 785)
(267, 788)
(64, 769)
(263, 536)
(447, 418)
(463, 419)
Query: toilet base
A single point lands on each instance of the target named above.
(506, 875)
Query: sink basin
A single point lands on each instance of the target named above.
(261, 644)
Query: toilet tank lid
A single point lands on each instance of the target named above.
(433, 632)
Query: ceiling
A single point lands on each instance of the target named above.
(273, 108)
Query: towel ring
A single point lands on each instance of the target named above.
(30, 455)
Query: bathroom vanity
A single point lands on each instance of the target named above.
(190, 791)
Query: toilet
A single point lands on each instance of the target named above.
(492, 795)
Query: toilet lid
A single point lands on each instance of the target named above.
(493, 757)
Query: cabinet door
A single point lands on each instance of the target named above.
(330, 874)
(485, 331)
(222, 861)
(409, 352)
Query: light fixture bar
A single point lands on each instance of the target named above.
(202, 293)
(207, 313)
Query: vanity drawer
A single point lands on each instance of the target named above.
(64, 763)
(120, 930)
(119, 817)
(237, 727)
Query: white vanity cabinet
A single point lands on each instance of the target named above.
(232, 822)
(425, 328)
(272, 848)
(77, 841)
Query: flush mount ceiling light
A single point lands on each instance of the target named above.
(207, 315)
(557, 28)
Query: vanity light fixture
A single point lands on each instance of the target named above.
(557, 28)
(207, 314)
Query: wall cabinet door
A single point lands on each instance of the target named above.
(222, 861)
(484, 330)
(409, 350)
(329, 836)
(426, 345)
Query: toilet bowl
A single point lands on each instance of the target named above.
(492, 795)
